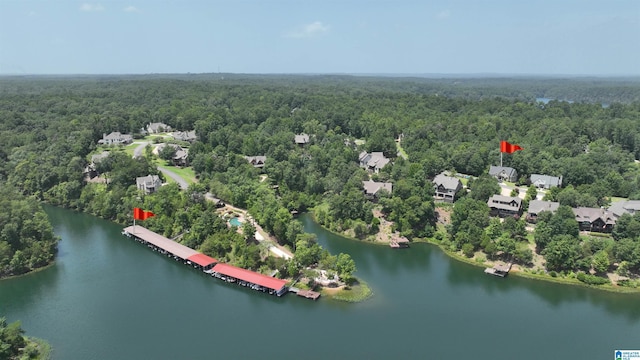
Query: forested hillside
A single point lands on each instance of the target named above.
(50, 126)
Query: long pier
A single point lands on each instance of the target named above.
(206, 264)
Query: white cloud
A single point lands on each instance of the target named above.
(130, 9)
(309, 30)
(444, 14)
(91, 7)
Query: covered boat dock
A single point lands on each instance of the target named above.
(249, 278)
(170, 248)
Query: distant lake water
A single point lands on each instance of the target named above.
(108, 297)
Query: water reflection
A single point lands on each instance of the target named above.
(426, 263)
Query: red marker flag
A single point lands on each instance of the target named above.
(505, 147)
(139, 214)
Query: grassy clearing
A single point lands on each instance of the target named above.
(401, 150)
(186, 173)
(356, 293)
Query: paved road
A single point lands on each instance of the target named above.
(181, 182)
(137, 152)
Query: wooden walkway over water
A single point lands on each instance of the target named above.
(500, 270)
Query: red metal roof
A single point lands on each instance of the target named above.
(250, 276)
(202, 259)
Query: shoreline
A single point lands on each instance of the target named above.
(524, 274)
(356, 293)
(30, 272)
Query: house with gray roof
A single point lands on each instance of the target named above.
(256, 161)
(115, 138)
(372, 188)
(301, 139)
(189, 136)
(446, 187)
(620, 208)
(373, 162)
(149, 183)
(90, 170)
(594, 219)
(503, 173)
(500, 205)
(538, 206)
(157, 128)
(545, 181)
(180, 158)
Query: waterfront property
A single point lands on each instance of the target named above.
(207, 264)
(594, 219)
(149, 183)
(372, 188)
(504, 205)
(538, 206)
(169, 247)
(620, 208)
(399, 242)
(500, 270)
(446, 187)
(250, 278)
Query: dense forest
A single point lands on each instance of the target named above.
(50, 126)
(27, 241)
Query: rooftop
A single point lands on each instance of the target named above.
(162, 242)
(250, 276)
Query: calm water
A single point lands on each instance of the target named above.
(109, 297)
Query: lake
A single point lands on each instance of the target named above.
(108, 297)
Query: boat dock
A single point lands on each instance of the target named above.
(307, 294)
(206, 264)
(500, 270)
(399, 243)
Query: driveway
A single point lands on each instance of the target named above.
(181, 182)
(137, 152)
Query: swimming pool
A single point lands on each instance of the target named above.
(235, 222)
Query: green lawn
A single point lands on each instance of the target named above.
(186, 173)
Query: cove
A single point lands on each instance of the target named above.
(108, 297)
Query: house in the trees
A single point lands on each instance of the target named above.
(180, 158)
(545, 181)
(188, 136)
(503, 173)
(115, 138)
(372, 188)
(149, 183)
(538, 206)
(158, 128)
(500, 205)
(620, 208)
(91, 170)
(446, 187)
(256, 161)
(373, 162)
(594, 219)
(301, 139)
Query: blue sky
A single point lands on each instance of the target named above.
(579, 37)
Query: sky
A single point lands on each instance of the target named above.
(527, 37)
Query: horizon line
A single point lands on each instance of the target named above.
(383, 74)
